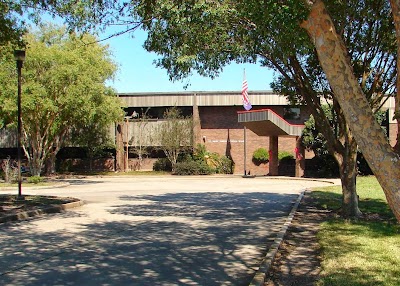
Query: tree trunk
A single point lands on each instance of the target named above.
(35, 166)
(395, 4)
(348, 176)
(50, 164)
(383, 160)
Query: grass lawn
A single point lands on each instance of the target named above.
(361, 252)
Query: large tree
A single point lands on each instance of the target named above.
(334, 58)
(64, 90)
(374, 67)
(206, 35)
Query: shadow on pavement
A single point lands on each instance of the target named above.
(171, 239)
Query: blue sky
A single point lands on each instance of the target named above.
(137, 73)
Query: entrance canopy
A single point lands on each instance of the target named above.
(265, 122)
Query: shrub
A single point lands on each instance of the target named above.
(324, 166)
(225, 166)
(260, 155)
(284, 155)
(200, 152)
(192, 167)
(10, 170)
(35, 180)
(218, 164)
(162, 164)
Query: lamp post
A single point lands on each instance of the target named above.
(19, 56)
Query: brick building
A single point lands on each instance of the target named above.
(271, 124)
(219, 129)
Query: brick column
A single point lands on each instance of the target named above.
(300, 160)
(273, 156)
(196, 123)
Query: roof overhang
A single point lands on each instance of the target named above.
(265, 122)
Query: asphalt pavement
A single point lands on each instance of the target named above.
(164, 230)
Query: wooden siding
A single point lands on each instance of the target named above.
(222, 98)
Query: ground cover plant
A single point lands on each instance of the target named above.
(365, 251)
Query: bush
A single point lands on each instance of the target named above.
(35, 180)
(324, 166)
(200, 152)
(192, 167)
(284, 155)
(162, 164)
(260, 155)
(218, 164)
(10, 170)
(225, 166)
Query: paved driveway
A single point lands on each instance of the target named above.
(150, 231)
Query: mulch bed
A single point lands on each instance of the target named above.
(298, 259)
(9, 205)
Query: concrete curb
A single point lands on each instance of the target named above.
(45, 210)
(261, 274)
(323, 180)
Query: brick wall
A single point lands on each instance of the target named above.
(221, 133)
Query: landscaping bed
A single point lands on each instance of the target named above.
(11, 207)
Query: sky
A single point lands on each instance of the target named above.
(137, 73)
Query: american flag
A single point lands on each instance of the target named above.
(245, 95)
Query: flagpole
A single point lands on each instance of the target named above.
(244, 149)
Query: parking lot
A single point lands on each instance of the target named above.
(162, 230)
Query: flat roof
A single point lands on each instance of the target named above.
(201, 98)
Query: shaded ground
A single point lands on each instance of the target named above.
(298, 259)
(133, 230)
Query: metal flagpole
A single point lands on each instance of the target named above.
(244, 148)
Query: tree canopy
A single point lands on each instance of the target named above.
(64, 91)
(83, 16)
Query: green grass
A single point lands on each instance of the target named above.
(364, 251)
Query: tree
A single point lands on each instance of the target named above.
(395, 5)
(314, 140)
(373, 63)
(94, 135)
(175, 134)
(184, 35)
(11, 29)
(77, 15)
(64, 92)
(142, 137)
(333, 56)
